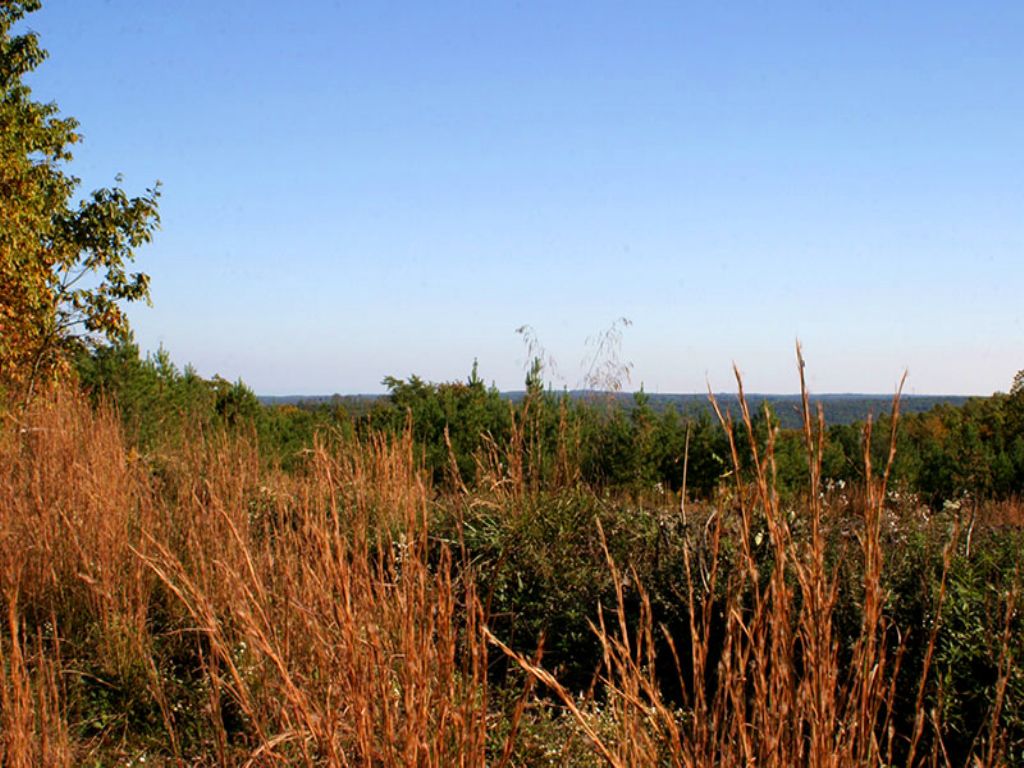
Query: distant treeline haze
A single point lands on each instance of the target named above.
(948, 447)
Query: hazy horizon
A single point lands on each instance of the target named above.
(627, 392)
(723, 392)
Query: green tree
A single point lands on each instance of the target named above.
(1015, 405)
(469, 412)
(63, 263)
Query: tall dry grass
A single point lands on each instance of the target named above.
(324, 628)
(70, 506)
(764, 680)
(324, 621)
(196, 608)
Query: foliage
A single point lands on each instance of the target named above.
(162, 407)
(63, 263)
(157, 402)
(453, 419)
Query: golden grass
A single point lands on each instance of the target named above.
(780, 694)
(324, 626)
(311, 604)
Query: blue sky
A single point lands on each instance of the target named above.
(361, 189)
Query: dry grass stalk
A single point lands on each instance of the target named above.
(774, 692)
(320, 608)
(327, 627)
(33, 729)
(340, 639)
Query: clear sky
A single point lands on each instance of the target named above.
(358, 189)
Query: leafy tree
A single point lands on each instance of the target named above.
(63, 264)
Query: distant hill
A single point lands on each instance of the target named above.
(838, 408)
(314, 400)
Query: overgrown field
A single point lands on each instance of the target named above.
(192, 603)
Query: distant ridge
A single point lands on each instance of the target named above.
(839, 408)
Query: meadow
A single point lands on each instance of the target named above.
(194, 601)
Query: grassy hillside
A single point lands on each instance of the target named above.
(193, 604)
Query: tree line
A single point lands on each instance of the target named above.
(465, 431)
